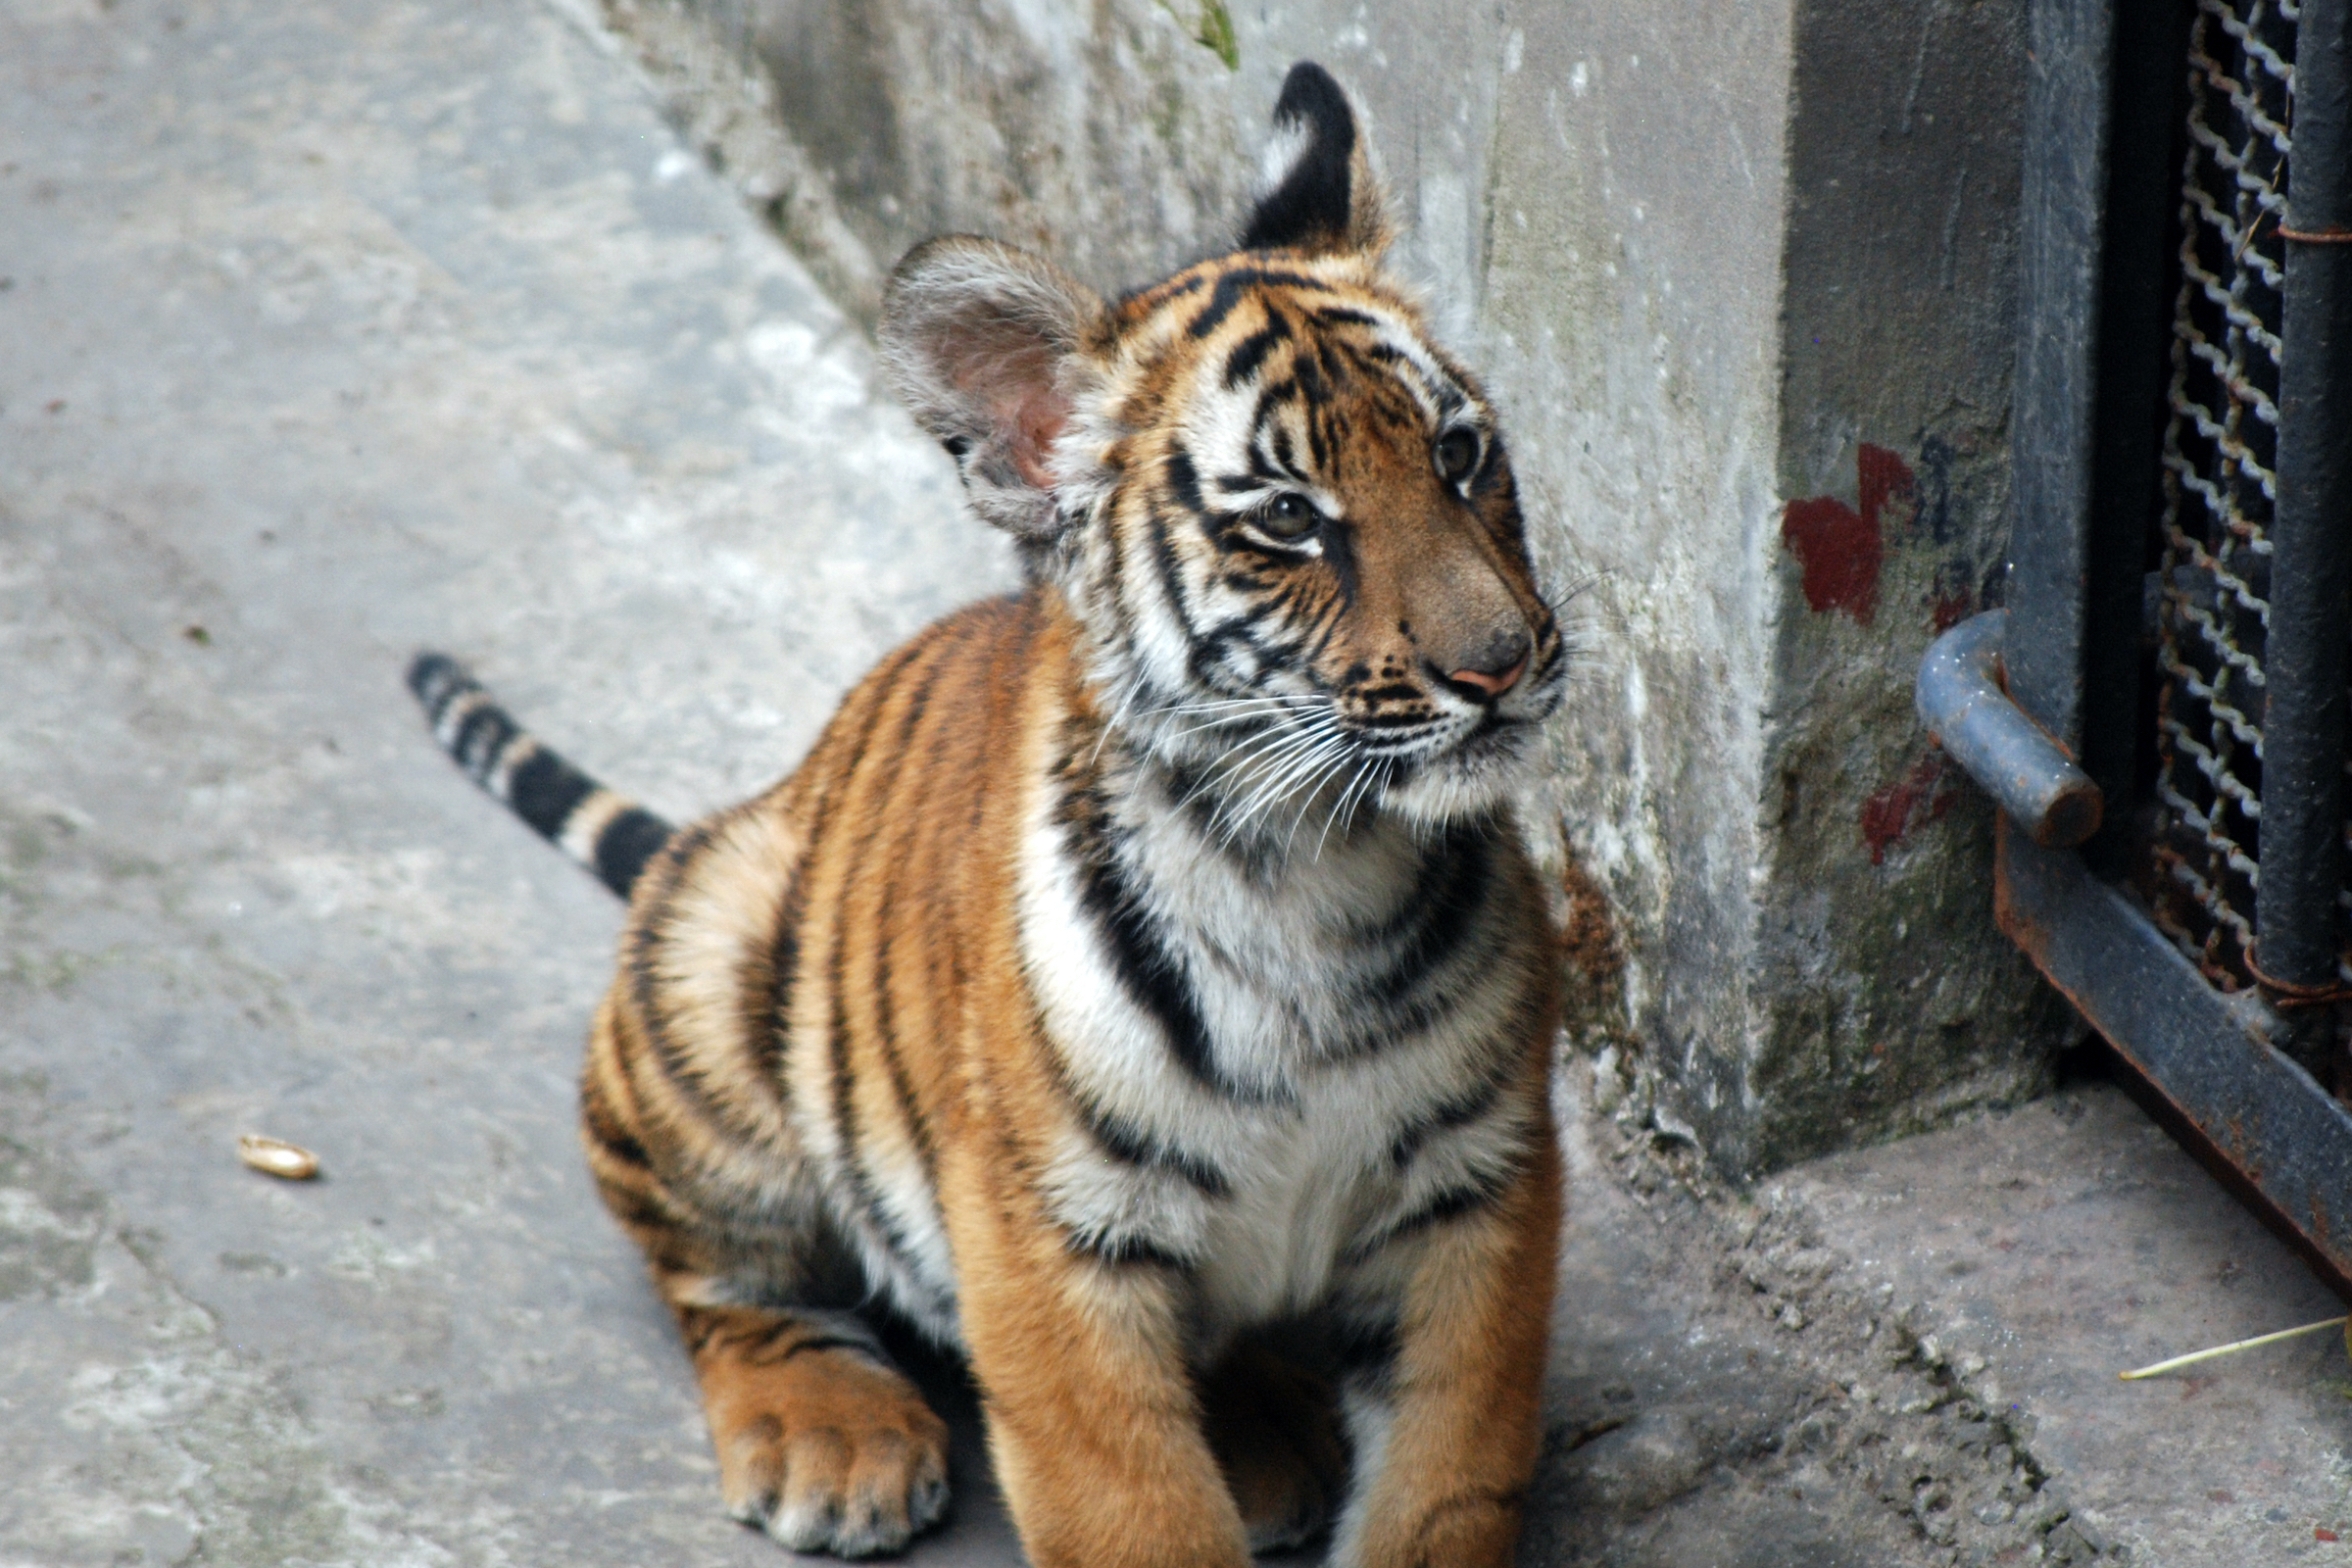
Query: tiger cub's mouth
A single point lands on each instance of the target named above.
(1280, 762)
(1472, 768)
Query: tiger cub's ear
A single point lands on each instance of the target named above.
(983, 343)
(1317, 190)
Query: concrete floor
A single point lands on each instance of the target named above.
(334, 330)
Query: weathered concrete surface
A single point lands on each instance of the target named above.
(1934, 1328)
(331, 330)
(2068, 1240)
(335, 328)
(1740, 277)
(1946, 1316)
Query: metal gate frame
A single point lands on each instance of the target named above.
(2041, 703)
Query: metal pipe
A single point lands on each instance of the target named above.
(2305, 661)
(1964, 708)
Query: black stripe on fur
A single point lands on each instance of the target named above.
(1449, 1204)
(1122, 1251)
(543, 789)
(1130, 1145)
(631, 839)
(1152, 976)
(1235, 286)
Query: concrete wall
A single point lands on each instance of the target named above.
(1740, 276)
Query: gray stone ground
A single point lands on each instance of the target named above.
(332, 329)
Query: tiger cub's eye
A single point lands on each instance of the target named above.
(1456, 455)
(1288, 516)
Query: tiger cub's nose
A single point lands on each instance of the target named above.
(1497, 667)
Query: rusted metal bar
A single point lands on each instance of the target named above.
(1962, 705)
(2209, 1055)
(2296, 925)
(2146, 97)
(2061, 235)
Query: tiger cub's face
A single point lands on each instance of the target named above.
(1313, 533)
(1284, 516)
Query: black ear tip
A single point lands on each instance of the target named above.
(1309, 93)
(1310, 171)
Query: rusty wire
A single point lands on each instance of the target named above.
(2219, 481)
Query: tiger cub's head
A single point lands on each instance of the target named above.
(1284, 516)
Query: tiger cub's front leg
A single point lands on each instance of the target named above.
(1094, 1421)
(1447, 1426)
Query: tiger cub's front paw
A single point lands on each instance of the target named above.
(827, 1451)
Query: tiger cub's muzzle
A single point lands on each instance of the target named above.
(1456, 644)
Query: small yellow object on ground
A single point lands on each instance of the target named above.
(2195, 1356)
(275, 1157)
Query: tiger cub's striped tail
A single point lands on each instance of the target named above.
(608, 833)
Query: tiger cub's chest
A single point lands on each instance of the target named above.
(1309, 1185)
(1265, 1069)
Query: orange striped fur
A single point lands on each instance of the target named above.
(1141, 987)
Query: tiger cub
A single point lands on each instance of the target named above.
(1141, 989)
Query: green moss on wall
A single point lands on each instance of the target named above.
(1212, 30)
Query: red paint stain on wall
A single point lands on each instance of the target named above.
(1840, 553)
(1950, 609)
(1879, 476)
(1888, 816)
(1841, 549)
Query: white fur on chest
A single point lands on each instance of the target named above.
(1303, 1111)
(1308, 1182)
